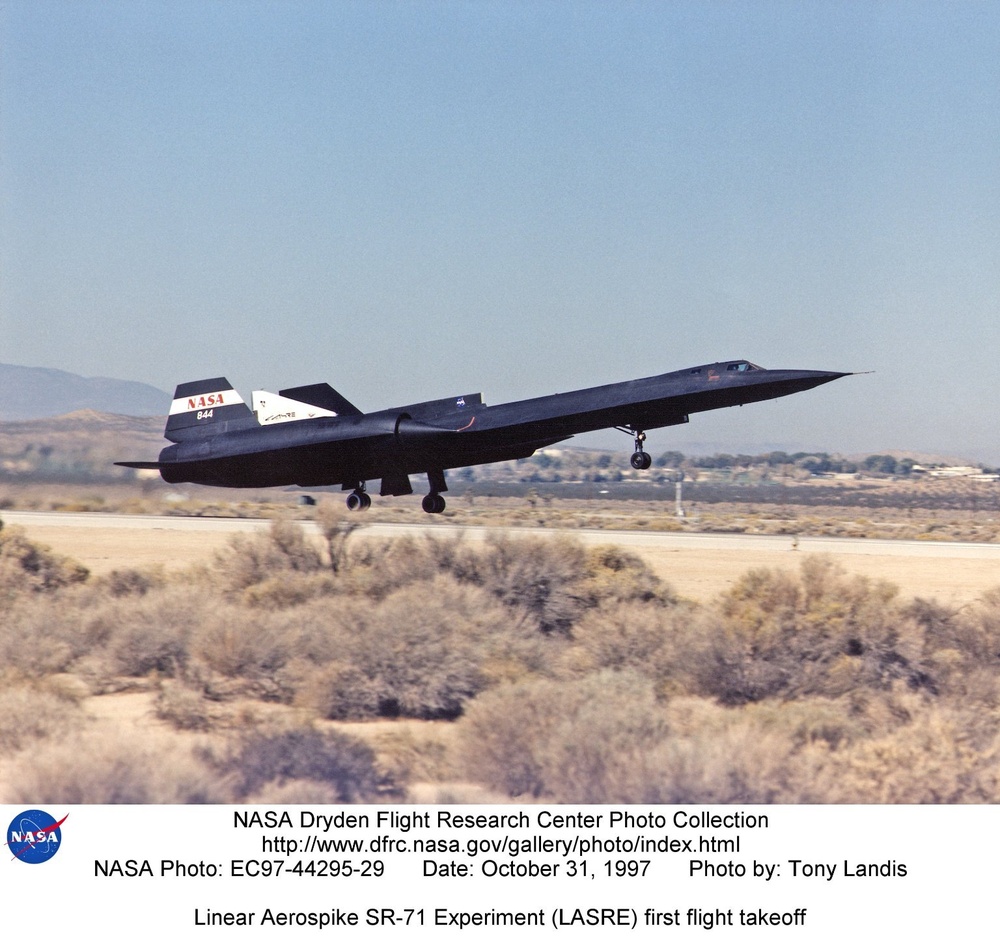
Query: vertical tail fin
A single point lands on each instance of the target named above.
(206, 407)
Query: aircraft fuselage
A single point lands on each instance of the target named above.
(351, 448)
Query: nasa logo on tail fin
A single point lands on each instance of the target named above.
(205, 407)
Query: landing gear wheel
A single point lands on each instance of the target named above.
(359, 500)
(433, 503)
(641, 460)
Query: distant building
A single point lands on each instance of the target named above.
(956, 471)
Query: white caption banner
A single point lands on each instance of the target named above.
(462, 869)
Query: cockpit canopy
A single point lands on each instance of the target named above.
(738, 366)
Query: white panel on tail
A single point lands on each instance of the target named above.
(204, 401)
(271, 408)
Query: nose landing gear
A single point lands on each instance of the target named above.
(640, 460)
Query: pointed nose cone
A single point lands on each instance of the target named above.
(822, 377)
(793, 381)
(770, 384)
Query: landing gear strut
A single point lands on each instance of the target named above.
(359, 500)
(640, 460)
(434, 503)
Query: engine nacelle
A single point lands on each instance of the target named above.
(408, 430)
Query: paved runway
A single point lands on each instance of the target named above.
(631, 539)
(698, 565)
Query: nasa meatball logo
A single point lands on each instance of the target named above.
(34, 836)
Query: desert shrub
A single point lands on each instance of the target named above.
(378, 569)
(286, 591)
(305, 753)
(29, 715)
(415, 753)
(547, 583)
(604, 738)
(117, 769)
(503, 734)
(319, 629)
(122, 582)
(39, 635)
(296, 792)
(419, 653)
(141, 647)
(599, 750)
(239, 643)
(149, 633)
(336, 524)
(758, 753)
(871, 747)
(553, 583)
(182, 706)
(776, 634)
(964, 646)
(289, 540)
(250, 559)
(450, 555)
(738, 762)
(833, 723)
(614, 574)
(583, 741)
(536, 578)
(938, 757)
(235, 651)
(639, 636)
(26, 566)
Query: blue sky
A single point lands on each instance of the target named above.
(410, 200)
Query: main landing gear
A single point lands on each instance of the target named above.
(434, 503)
(359, 499)
(640, 460)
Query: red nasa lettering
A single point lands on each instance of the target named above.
(204, 402)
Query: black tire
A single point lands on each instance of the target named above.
(433, 503)
(639, 461)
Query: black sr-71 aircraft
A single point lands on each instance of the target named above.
(312, 437)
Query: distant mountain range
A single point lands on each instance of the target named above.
(41, 392)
